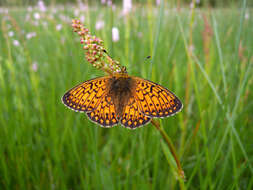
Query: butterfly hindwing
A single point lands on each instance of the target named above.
(132, 117)
(154, 100)
(86, 96)
(104, 114)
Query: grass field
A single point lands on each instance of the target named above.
(203, 56)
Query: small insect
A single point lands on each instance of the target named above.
(122, 99)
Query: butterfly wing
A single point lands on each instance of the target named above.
(104, 114)
(154, 100)
(132, 117)
(86, 96)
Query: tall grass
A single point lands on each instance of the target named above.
(203, 56)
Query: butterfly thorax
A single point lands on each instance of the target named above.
(121, 87)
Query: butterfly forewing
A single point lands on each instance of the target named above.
(154, 100)
(87, 95)
(132, 117)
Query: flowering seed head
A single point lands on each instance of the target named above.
(94, 49)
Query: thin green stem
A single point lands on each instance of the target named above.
(171, 147)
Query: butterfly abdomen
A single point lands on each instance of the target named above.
(120, 89)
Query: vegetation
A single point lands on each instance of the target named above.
(199, 3)
(203, 56)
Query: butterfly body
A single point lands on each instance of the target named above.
(121, 87)
(120, 98)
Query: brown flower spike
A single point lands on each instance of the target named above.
(95, 52)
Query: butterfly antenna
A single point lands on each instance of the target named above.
(106, 53)
(147, 59)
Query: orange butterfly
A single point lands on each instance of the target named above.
(120, 98)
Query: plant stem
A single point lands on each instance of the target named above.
(171, 147)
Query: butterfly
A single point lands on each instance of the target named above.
(122, 99)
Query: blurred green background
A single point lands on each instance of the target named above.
(199, 3)
(203, 55)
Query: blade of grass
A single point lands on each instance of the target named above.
(232, 118)
(157, 34)
(217, 39)
(239, 33)
(180, 171)
(209, 81)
